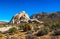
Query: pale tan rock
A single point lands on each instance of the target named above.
(22, 16)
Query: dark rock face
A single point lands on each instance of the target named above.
(39, 16)
(52, 17)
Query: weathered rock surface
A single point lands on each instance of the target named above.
(22, 17)
(47, 17)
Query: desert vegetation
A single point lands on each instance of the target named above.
(49, 28)
(13, 30)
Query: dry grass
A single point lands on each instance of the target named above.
(22, 35)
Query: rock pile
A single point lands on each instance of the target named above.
(22, 17)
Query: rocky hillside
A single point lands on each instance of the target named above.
(23, 17)
(28, 30)
(48, 17)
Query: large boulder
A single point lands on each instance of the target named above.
(21, 17)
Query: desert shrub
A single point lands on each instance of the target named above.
(30, 35)
(55, 26)
(47, 24)
(13, 30)
(14, 38)
(25, 27)
(7, 36)
(42, 32)
(1, 35)
(56, 32)
(52, 26)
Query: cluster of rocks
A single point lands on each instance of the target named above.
(22, 17)
(47, 17)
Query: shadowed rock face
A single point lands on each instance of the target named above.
(22, 17)
(52, 17)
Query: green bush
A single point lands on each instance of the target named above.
(13, 30)
(25, 27)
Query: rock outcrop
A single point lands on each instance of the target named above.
(47, 17)
(22, 17)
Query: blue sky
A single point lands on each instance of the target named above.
(8, 8)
